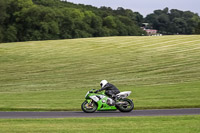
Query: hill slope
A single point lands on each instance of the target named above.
(46, 74)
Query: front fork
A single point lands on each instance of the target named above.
(89, 101)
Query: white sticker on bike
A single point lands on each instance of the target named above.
(96, 99)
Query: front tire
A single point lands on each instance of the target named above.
(127, 107)
(89, 109)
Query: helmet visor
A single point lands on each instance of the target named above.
(101, 84)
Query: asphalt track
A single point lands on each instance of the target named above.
(62, 114)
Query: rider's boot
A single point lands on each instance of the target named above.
(114, 97)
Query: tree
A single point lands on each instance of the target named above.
(197, 29)
(173, 22)
(11, 34)
(138, 18)
(109, 22)
(3, 14)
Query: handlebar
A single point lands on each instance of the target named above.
(93, 91)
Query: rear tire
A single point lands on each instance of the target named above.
(128, 107)
(86, 109)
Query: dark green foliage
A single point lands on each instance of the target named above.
(174, 21)
(27, 20)
(197, 29)
(11, 34)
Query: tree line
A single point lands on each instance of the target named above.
(174, 21)
(28, 20)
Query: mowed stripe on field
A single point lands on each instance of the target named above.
(118, 55)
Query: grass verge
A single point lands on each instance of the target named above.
(164, 124)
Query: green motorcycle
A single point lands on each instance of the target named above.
(100, 102)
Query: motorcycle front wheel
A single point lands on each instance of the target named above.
(126, 105)
(89, 107)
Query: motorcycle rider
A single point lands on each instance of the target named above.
(110, 89)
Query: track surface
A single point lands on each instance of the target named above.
(155, 112)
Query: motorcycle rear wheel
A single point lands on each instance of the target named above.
(89, 109)
(128, 107)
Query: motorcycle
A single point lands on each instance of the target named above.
(100, 102)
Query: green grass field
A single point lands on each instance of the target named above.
(167, 124)
(161, 71)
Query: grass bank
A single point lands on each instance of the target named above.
(162, 72)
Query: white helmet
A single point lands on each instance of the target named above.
(103, 83)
